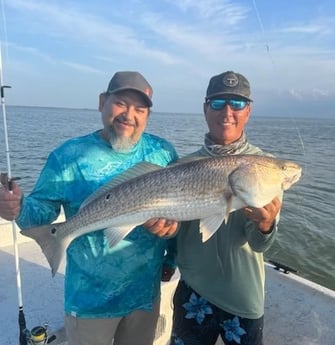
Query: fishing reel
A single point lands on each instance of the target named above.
(38, 335)
(6, 181)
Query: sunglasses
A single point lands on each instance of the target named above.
(219, 104)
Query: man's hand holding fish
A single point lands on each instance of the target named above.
(264, 217)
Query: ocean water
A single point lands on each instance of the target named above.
(306, 237)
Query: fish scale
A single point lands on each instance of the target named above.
(199, 188)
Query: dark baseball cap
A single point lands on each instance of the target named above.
(127, 80)
(228, 83)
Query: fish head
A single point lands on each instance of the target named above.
(259, 179)
(291, 173)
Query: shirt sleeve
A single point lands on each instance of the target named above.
(258, 241)
(43, 205)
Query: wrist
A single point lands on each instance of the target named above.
(266, 228)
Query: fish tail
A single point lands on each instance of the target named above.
(52, 246)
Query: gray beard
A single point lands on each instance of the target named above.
(120, 145)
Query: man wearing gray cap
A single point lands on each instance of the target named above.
(221, 290)
(112, 295)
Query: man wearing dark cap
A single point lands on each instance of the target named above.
(221, 290)
(111, 294)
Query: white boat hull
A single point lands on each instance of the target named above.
(298, 312)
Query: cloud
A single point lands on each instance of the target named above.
(83, 68)
(297, 94)
(319, 94)
(177, 44)
(214, 10)
(51, 60)
(70, 23)
(314, 94)
(306, 29)
(193, 42)
(31, 51)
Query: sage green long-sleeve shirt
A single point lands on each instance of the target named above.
(228, 269)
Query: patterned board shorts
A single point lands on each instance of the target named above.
(198, 322)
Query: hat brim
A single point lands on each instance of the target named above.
(228, 94)
(145, 96)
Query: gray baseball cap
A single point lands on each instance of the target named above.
(228, 83)
(128, 80)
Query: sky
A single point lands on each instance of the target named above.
(62, 53)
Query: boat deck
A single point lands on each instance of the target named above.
(298, 312)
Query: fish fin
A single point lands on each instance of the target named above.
(52, 247)
(253, 185)
(133, 172)
(241, 183)
(209, 225)
(236, 204)
(229, 207)
(117, 233)
(233, 204)
(188, 159)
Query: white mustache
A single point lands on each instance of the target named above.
(122, 118)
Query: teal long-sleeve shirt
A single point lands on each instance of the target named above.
(100, 281)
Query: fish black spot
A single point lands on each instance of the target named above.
(53, 230)
(108, 196)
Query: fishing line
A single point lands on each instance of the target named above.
(267, 46)
(4, 26)
(260, 22)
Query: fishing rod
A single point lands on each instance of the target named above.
(6, 180)
(39, 334)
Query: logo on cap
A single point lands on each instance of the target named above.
(230, 80)
(147, 91)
